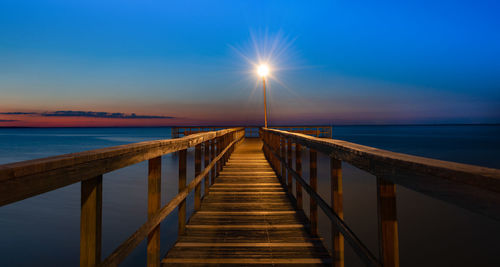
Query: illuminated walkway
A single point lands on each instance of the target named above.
(247, 218)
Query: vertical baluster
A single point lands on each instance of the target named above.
(197, 170)
(154, 204)
(313, 182)
(226, 143)
(282, 155)
(337, 206)
(277, 151)
(271, 146)
(182, 185)
(298, 169)
(217, 163)
(91, 221)
(212, 156)
(206, 159)
(388, 224)
(289, 162)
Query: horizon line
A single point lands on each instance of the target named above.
(232, 126)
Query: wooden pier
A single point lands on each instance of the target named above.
(251, 209)
(247, 218)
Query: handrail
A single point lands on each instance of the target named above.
(21, 180)
(29, 178)
(135, 239)
(358, 246)
(314, 130)
(473, 187)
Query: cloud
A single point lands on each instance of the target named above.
(18, 113)
(92, 114)
(89, 114)
(7, 120)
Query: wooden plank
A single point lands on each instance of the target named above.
(247, 193)
(246, 261)
(247, 185)
(193, 244)
(244, 212)
(154, 205)
(91, 222)
(246, 227)
(388, 223)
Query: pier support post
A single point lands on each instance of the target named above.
(283, 156)
(219, 149)
(182, 185)
(313, 182)
(154, 205)
(206, 161)
(337, 206)
(388, 224)
(197, 170)
(289, 162)
(212, 156)
(298, 169)
(91, 221)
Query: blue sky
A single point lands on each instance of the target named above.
(341, 61)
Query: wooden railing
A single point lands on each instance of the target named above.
(471, 187)
(25, 179)
(253, 131)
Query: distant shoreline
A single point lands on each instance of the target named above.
(334, 125)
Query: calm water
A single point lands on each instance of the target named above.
(44, 230)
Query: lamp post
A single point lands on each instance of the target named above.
(263, 71)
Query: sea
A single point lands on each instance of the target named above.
(44, 230)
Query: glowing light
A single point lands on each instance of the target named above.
(263, 70)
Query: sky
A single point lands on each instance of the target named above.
(159, 63)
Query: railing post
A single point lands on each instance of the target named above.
(91, 221)
(154, 204)
(182, 185)
(282, 155)
(289, 162)
(212, 152)
(206, 159)
(273, 158)
(388, 224)
(313, 182)
(298, 169)
(197, 170)
(219, 149)
(337, 206)
(226, 139)
(277, 151)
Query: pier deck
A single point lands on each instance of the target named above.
(247, 218)
(251, 212)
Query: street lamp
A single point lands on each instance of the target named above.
(263, 71)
